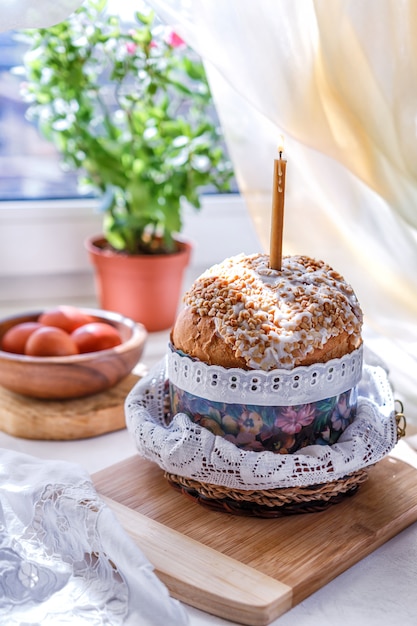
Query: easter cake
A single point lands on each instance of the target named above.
(263, 405)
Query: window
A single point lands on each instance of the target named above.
(29, 164)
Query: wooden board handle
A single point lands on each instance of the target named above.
(217, 584)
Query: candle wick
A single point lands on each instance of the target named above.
(280, 154)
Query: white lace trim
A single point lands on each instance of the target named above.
(184, 448)
(301, 385)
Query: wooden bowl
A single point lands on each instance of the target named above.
(67, 377)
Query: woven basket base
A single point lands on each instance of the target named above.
(269, 502)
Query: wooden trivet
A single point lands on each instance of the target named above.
(58, 420)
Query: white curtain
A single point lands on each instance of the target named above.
(338, 79)
(15, 14)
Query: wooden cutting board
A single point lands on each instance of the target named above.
(31, 418)
(251, 570)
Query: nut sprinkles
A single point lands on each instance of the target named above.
(272, 317)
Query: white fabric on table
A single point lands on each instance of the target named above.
(64, 558)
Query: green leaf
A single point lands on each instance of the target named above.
(145, 18)
(195, 70)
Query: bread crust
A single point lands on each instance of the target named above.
(197, 337)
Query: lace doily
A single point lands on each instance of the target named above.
(186, 449)
(301, 385)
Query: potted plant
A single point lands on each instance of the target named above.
(130, 109)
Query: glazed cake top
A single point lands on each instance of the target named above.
(276, 316)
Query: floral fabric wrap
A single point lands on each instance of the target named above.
(279, 411)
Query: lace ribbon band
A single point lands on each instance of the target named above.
(301, 385)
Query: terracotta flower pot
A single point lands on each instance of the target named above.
(146, 288)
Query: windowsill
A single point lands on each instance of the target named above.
(42, 255)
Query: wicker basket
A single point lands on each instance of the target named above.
(149, 410)
(270, 502)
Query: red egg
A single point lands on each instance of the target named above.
(66, 317)
(96, 336)
(50, 341)
(15, 338)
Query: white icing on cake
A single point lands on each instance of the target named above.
(275, 316)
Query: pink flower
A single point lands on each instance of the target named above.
(291, 420)
(131, 47)
(174, 40)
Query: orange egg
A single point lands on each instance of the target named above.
(96, 336)
(65, 316)
(50, 341)
(15, 338)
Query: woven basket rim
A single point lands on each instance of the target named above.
(272, 498)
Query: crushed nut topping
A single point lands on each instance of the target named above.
(273, 316)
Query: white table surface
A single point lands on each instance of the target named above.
(380, 590)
